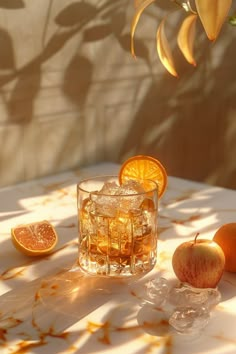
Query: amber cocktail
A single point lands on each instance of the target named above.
(117, 226)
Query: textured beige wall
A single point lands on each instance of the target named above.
(72, 95)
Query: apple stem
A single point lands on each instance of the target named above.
(195, 239)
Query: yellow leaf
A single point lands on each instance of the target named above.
(213, 14)
(186, 36)
(164, 50)
(141, 6)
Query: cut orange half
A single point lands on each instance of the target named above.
(34, 239)
(144, 168)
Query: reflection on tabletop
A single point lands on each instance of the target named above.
(46, 308)
(48, 305)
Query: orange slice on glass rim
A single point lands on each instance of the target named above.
(144, 168)
(34, 239)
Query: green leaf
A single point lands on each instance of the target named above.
(232, 20)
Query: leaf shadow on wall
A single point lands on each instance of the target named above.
(187, 143)
(75, 18)
(13, 4)
(22, 85)
(174, 128)
(77, 79)
(20, 102)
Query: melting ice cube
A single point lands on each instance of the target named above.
(131, 187)
(190, 307)
(109, 188)
(131, 196)
(113, 199)
(190, 296)
(157, 290)
(189, 320)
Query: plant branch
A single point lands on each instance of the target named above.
(186, 5)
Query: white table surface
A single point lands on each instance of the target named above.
(48, 306)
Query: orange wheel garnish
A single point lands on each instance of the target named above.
(144, 168)
(34, 239)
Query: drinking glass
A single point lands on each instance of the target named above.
(117, 226)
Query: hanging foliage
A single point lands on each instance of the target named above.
(140, 6)
(211, 13)
(164, 50)
(186, 37)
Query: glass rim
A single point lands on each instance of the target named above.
(79, 188)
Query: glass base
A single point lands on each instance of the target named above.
(117, 267)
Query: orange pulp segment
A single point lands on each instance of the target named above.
(34, 239)
(144, 168)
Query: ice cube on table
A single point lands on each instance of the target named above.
(191, 296)
(157, 290)
(188, 308)
(214, 298)
(189, 320)
(153, 292)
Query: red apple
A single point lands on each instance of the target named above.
(199, 262)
